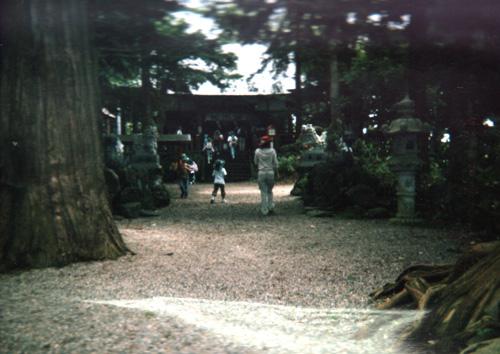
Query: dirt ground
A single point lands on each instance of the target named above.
(222, 252)
(229, 251)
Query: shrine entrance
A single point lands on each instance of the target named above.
(187, 122)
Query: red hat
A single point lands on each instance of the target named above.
(265, 139)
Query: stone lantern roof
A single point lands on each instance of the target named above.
(407, 122)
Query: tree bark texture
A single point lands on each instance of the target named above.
(146, 88)
(467, 310)
(298, 92)
(53, 207)
(335, 115)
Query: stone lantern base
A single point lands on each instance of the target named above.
(406, 197)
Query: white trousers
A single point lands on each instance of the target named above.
(266, 184)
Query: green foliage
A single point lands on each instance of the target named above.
(373, 159)
(300, 186)
(436, 173)
(288, 158)
(290, 149)
(140, 41)
(374, 81)
(305, 33)
(333, 140)
(287, 166)
(458, 187)
(480, 185)
(354, 184)
(325, 185)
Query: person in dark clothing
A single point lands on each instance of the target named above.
(182, 171)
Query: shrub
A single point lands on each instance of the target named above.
(288, 157)
(336, 184)
(287, 166)
(373, 159)
(456, 187)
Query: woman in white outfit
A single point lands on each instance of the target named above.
(266, 161)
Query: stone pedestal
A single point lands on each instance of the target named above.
(406, 193)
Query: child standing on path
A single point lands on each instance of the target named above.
(219, 173)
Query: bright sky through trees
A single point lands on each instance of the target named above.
(249, 61)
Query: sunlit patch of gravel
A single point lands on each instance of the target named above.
(216, 252)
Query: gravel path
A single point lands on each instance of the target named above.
(222, 252)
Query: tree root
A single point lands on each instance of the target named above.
(463, 299)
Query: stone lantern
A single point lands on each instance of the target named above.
(405, 161)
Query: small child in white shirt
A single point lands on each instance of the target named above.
(219, 173)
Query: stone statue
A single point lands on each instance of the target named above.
(136, 186)
(309, 138)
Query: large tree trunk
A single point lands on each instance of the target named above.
(53, 207)
(417, 56)
(146, 90)
(335, 120)
(298, 92)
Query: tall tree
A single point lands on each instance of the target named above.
(313, 35)
(53, 209)
(144, 44)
